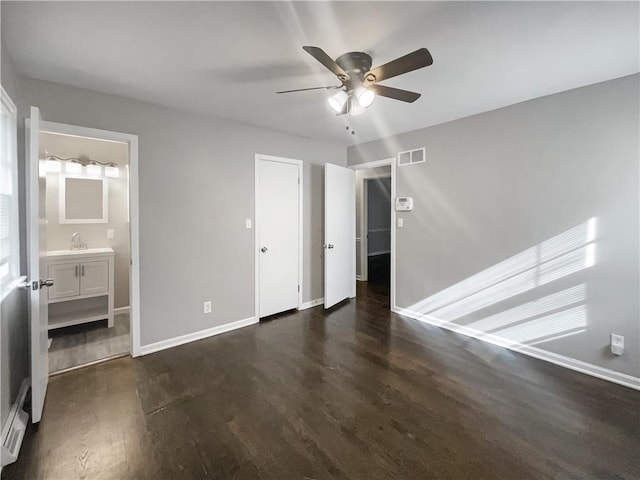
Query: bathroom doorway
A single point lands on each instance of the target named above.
(88, 237)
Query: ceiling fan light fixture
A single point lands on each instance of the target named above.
(356, 109)
(365, 96)
(337, 101)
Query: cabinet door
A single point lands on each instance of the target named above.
(94, 277)
(66, 280)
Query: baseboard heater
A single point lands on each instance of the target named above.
(15, 427)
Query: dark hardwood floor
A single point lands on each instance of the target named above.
(352, 393)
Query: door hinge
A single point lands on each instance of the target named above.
(298, 287)
(298, 180)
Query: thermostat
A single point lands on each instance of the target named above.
(404, 204)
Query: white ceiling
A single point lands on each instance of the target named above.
(228, 59)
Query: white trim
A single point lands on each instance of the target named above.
(121, 310)
(17, 420)
(134, 205)
(557, 359)
(381, 163)
(192, 337)
(7, 106)
(311, 303)
(359, 278)
(62, 200)
(256, 224)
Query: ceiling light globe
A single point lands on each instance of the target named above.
(365, 96)
(337, 101)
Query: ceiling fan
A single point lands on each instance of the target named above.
(359, 82)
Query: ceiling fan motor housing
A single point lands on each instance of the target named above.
(355, 64)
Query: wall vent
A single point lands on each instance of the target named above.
(410, 157)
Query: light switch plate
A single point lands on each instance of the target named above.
(111, 234)
(247, 223)
(400, 222)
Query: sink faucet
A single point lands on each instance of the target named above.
(76, 243)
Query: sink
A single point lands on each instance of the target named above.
(86, 251)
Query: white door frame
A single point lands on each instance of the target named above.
(299, 163)
(134, 236)
(383, 163)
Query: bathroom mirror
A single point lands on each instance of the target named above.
(83, 200)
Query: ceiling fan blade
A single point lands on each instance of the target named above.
(327, 61)
(395, 93)
(307, 89)
(410, 62)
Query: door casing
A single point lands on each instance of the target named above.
(134, 222)
(381, 163)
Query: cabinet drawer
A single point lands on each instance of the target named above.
(94, 277)
(66, 280)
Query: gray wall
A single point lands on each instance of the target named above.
(196, 190)
(14, 350)
(93, 234)
(499, 183)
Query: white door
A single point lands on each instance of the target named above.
(278, 213)
(339, 234)
(37, 250)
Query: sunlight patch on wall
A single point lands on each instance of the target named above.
(546, 328)
(557, 257)
(528, 310)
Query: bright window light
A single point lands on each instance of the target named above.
(72, 167)
(53, 166)
(365, 97)
(94, 170)
(113, 172)
(337, 101)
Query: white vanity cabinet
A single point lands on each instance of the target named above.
(82, 288)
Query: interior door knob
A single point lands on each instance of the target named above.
(264, 249)
(46, 283)
(330, 245)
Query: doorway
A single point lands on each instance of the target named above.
(375, 232)
(278, 234)
(376, 199)
(84, 276)
(88, 245)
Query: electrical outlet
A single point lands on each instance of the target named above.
(617, 344)
(110, 234)
(207, 306)
(247, 223)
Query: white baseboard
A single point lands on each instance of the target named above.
(557, 359)
(311, 303)
(358, 278)
(192, 337)
(15, 427)
(120, 310)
